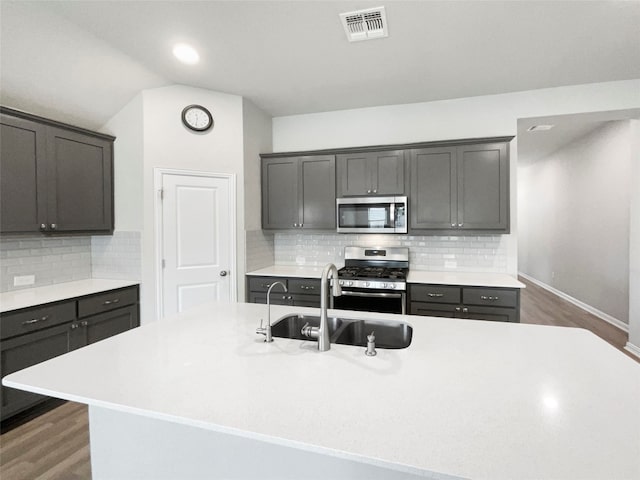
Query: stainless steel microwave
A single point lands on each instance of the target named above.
(371, 215)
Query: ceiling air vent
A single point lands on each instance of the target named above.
(365, 24)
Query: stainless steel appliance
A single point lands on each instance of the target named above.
(373, 279)
(372, 215)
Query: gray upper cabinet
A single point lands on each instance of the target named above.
(23, 202)
(55, 177)
(299, 193)
(462, 188)
(371, 173)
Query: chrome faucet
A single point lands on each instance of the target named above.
(322, 332)
(266, 331)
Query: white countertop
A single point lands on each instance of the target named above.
(468, 398)
(462, 278)
(415, 276)
(30, 297)
(299, 271)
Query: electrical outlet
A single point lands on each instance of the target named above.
(23, 280)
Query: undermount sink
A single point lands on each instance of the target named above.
(391, 335)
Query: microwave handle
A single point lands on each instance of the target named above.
(392, 214)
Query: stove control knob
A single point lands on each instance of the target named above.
(349, 283)
(392, 285)
(366, 284)
(384, 285)
(341, 282)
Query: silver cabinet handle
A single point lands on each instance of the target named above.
(490, 298)
(457, 309)
(35, 320)
(53, 226)
(435, 295)
(465, 310)
(223, 273)
(304, 287)
(84, 323)
(109, 302)
(74, 326)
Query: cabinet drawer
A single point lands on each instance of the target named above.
(262, 284)
(496, 297)
(434, 293)
(37, 318)
(309, 286)
(104, 302)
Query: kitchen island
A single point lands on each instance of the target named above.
(200, 395)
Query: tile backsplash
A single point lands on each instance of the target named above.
(118, 256)
(50, 259)
(64, 259)
(434, 253)
(260, 249)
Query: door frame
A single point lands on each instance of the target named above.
(158, 174)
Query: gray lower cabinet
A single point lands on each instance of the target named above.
(33, 335)
(452, 301)
(371, 173)
(459, 188)
(301, 292)
(55, 177)
(299, 193)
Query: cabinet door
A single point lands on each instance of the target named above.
(353, 174)
(495, 314)
(483, 187)
(105, 325)
(301, 300)
(24, 351)
(280, 208)
(434, 309)
(80, 182)
(23, 200)
(387, 175)
(317, 192)
(433, 191)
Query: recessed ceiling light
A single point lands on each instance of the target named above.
(536, 128)
(186, 54)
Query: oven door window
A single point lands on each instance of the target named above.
(365, 216)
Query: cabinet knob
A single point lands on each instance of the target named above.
(368, 191)
(43, 226)
(300, 225)
(85, 323)
(453, 225)
(460, 224)
(465, 310)
(53, 226)
(375, 191)
(74, 326)
(295, 224)
(457, 309)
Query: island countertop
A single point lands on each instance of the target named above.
(468, 398)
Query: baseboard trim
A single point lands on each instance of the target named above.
(594, 311)
(632, 349)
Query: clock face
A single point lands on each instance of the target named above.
(197, 118)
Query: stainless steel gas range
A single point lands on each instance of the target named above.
(373, 279)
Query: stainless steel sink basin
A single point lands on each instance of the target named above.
(393, 335)
(388, 334)
(291, 326)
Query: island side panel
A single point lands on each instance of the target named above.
(124, 445)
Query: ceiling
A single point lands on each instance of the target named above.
(84, 60)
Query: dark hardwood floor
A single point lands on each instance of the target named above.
(55, 446)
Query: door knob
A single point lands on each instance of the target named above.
(223, 273)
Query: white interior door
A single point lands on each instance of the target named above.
(197, 241)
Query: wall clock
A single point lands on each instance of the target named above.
(197, 118)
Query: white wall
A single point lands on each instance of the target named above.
(634, 240)
(168, 144)
(128, 152)
(574, 219)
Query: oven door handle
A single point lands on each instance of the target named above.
(371, 295)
